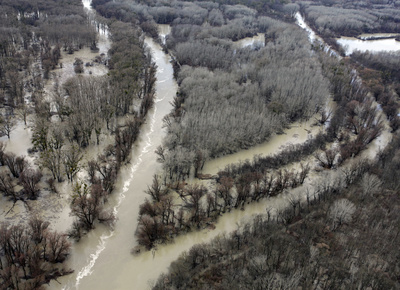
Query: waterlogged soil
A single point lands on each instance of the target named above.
(20, 140)
(65, 69)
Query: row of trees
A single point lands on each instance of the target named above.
(162, 216)
(253, 181)
(357, 120)
(380, 73)
(337, 18)
(344, 234)
(193, 12)
(89, 199)
(128, 91)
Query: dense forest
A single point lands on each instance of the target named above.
(343, 235)
(380, 73)
(250, 83)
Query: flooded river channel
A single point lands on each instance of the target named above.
(102, 259)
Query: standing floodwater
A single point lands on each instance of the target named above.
(351, 44)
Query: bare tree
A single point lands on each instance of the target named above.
(2, 152)
(7, 186)
(84, 206)
(78, 66)
(149, 231)
(323, 116)
(14, 163)
(370, 184)
(7, 125)
(191, 196)
(294, 199)
(340, 212)
(58, 247)
(29, 180)
(72, 158)
(38, 229)
(328, 157)
(156, 190)
(224, 191)
(53, 156)
(87, 207)
(23, 112)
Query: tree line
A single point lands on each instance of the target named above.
(334, 18)
(380, 73)
(162, 216)
(192, 12)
